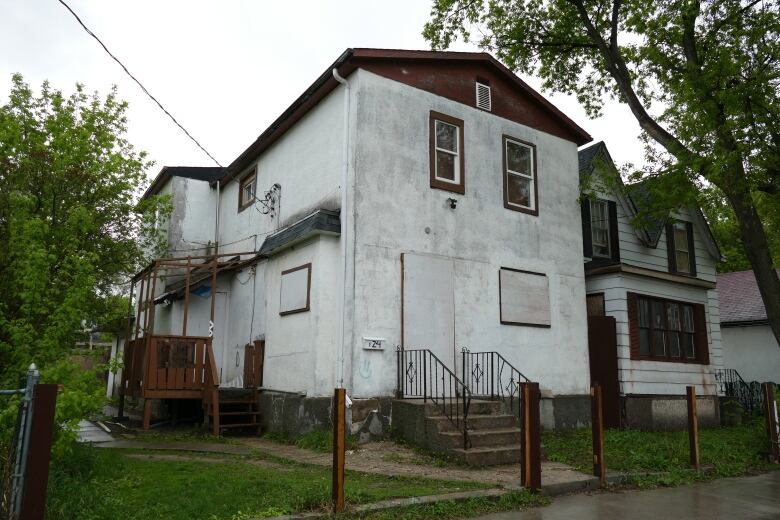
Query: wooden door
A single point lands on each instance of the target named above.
(602, 349)
(429, 306)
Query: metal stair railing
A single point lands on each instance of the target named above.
(731, 384)
(490, 375)
(423, 375)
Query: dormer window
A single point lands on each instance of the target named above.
(599, 228)
(247, 190)
(483, 96)
(679, 246)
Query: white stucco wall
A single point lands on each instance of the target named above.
(394, 204)
(753, 352)
(306, 162)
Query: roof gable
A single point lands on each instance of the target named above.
(635, 196)
(448, 74)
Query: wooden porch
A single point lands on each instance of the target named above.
(170, 366)
(183, 367)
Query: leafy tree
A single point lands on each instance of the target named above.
(70, 228)
(702, 78)
(726, 230)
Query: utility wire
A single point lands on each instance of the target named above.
(138, 82)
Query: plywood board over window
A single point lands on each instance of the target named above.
(295, 290)
(524, 298)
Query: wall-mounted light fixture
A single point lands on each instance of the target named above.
(453, 202)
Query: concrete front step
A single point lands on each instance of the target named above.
(478, 422)
(509, 438)
(488, 456)
(476, 407)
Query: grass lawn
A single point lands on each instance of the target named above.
(99, 483)
(724, 452)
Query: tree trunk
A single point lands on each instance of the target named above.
(751, 231)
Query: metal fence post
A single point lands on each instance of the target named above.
(23, 440)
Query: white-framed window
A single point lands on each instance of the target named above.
(447, 151)
(247, 189)
(599, 228)
(682, 252)
(520, 191)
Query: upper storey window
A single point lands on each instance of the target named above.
(599, 226)
(247, 189)
(446, 149)
(520, 192)
(679, 245)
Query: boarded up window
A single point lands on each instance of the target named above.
(524, 298)
(295, 290)
(595, 304)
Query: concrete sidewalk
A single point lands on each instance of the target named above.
(742, 498)
(385, 458)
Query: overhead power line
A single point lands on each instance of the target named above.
(138, 82)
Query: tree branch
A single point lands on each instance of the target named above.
(613, 39)
(617, 68)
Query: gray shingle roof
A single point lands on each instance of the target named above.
(740, 301)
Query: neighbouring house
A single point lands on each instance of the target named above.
(749, 347)
(652, 302)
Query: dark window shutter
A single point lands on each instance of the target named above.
(614, 238)
(670, 249)
(633, 325)
(587, 237)
(691, 251)
(700, 336)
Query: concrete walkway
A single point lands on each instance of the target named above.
(386, 458)
(743, 498)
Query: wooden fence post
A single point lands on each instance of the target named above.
(770, 411)
(339, 448)
(693, 426)
(597, 420)
(531, 471)
(36, 476)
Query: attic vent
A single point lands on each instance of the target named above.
(483, 96)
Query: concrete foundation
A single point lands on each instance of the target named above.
(296, 415)
(668, 412)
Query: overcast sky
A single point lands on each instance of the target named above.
(224, 69)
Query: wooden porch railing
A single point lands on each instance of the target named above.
(172, 367)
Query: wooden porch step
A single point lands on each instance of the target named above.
(239, 425)
(235, 413)
(237, 401)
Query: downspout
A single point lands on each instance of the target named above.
(343, 215)
(216, 222)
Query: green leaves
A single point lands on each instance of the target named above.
(70, 229)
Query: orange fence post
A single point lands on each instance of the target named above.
(770, 411)
(597, 420)
(531, 471)
(339, 448)
(693, 426)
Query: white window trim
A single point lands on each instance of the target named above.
(531, 178)
(592, 234)
(456, 155)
